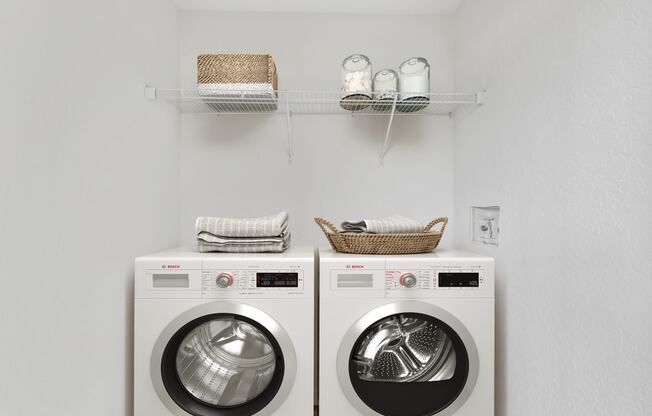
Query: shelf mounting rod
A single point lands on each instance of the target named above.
(150, 93)
(288, 119)
(389, 128)
(481, 97)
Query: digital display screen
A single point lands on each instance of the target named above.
(277, 279)
(462, 279)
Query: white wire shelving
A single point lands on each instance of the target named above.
(290, 103)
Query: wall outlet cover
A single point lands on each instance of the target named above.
(485, 225)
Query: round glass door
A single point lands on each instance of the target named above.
(221, 365)
(408, 364)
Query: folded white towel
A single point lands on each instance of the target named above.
(394, 224)
(218, 240)
(246, 90)
(268, 226)
(207, 242)
(238, 97)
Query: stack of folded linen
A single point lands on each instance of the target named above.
(394, 224)
(268, 234)
(239, 97)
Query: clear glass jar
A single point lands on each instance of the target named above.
(356, 82)
(385, 89)
(414, 84)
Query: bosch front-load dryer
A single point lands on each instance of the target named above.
(406, 335)
(224, 334)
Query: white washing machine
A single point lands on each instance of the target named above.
(224, 334)
(406, 335)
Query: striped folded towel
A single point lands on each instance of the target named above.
(208, 242)
(394, 224)
(237, 90)
(269, 226)
(243, 235)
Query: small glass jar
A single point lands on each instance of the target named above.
(414, 84)
(356, 83)
(385, 89)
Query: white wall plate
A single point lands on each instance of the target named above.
(485, 225)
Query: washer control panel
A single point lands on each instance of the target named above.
(224, 280)
(413, 279)
(458, 279)
(434, 279)
(408, 280)
(254, 281)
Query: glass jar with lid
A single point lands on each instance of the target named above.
(356, 82)
(385, 89)
(414, 84)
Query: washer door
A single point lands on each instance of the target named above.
(223, 359)
(408, 359)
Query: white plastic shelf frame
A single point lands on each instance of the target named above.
(290, 103)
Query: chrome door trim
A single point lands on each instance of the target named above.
(408, 306)
(226, 307)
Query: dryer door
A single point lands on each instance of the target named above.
(223, 359)
(408, 359)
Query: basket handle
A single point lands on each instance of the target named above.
(432, 223)
(328, 228)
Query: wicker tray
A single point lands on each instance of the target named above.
(367, 243)
(237, 68)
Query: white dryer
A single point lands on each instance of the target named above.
(406, 335)
(224, 334)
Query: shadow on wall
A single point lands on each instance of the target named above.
(500, 360)
(409, 131)
(129, 347)
(234, 130)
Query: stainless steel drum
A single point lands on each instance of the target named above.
(405, 348)
(225, 362)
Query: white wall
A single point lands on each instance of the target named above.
(237, 165)
(88, 180)
(564, 146)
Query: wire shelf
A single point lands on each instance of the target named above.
(314, 102)
(289, 103)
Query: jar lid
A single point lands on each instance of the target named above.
(356, 62)
(385, 75)
(414, 65)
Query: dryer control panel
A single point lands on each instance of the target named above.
(434, 279)
(216, 282)
(443, 274)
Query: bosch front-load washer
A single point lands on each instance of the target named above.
(224, 334)
(406, 335)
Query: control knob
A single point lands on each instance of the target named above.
(408, 280)
(224, 280)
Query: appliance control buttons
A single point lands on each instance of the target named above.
(408, 280)
(224, 280)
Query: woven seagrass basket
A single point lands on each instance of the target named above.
(237, 68)
(368, 243)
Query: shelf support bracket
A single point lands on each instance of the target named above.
(481, 97)
(288, 120)
(150, 93)
(387, 133)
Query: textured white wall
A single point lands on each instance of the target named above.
(565, 148)
(235, 166)
(88, 180)
(360, 7)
